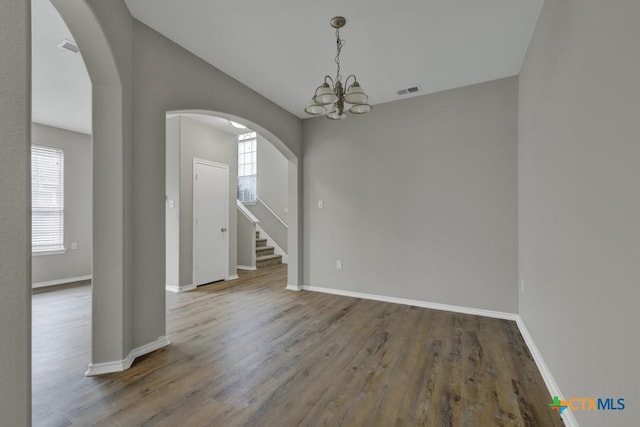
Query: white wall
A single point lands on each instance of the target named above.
(420, 198)
(77, 206)
(273, 177)
(579, 175)
(15, 214)
(198, 140)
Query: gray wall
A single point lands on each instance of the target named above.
(272, 177)
(579, 200)
(173, 194)
(204, 142)
(77, 206)
(104, 31)
(15, 211)
(420, 198)
(246, 241)
(270, 224)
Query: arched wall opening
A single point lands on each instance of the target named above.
(137, 77)
(111, 295)
(292, 190)
(292, 181)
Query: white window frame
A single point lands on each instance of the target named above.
(252, 164)
(47, 198)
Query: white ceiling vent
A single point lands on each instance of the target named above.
(414, 90)
(69, 45)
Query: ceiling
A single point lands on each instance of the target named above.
(283, 48)
(219, 123)
(61, 89)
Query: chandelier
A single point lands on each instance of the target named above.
(330, 97)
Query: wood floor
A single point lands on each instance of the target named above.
(249, 352)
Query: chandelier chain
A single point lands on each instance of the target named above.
(339, 45)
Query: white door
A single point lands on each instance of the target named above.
(210, 221)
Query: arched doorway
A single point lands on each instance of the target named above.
(130, 101)
(292, 190)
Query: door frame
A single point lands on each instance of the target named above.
(226, 216)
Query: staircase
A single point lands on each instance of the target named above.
(264, 254)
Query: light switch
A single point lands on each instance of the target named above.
(339, 264)
(74, 245)
(286, 209)
(321, 204)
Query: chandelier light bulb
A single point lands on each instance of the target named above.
(356, 95)
(325, 95)
(315, 109)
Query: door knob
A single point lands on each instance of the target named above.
(223, 229)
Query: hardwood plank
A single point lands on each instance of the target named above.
(249, 352)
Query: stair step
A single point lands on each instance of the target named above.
(268, 260)
(264, 250)
(261, 242)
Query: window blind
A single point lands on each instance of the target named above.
(47, 198)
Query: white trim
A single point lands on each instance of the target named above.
(272, 212)
(270, 242)
(124, 364)
(293, 288)
(552, 386)
(232, 277)
(49, 252)
(194, 234)
(246, 267)
(179, 289)
(416, 303)
(246, 212)
(60, 281)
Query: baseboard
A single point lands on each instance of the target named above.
(178, 289)
(416, 303)
(293, 288)
(232, 277)
(246, 267)
(124, 364)
(61, 281)
(549, 381)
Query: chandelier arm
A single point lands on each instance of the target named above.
(346, 81)
(333, 83)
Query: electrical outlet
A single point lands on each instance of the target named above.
(339, 264)
(321, 204)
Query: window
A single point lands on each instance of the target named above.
(247, 165)
(47, 199)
